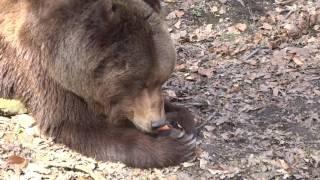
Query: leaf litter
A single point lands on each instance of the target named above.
(248, 70)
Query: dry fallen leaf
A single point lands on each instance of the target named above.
(302, 52)
(205, 72)
(179, 13)
(181, 67)
(169, 1)
(203, 33)
(177, 25)
(241, 27)
(17, 161)
(191, 77)
(298, 61)
(235, 88)
(292, 30)
(266, 26)
(223, 10)
(214, 9)
(175, 14)
(171, 93)
(234, 30)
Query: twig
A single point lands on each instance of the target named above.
(198, 128)
(285, 2)
(289, 14)
(242, 3)
(253, 53)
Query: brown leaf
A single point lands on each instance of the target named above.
(171, 15)
(194, 68)
(266, 26)
(9, 137)
(17, 161)
(175, 14)
(241, 27)
(191, 77)
(317, 92)
(171, 93)
(181, 67)
(302, 52)
(179, 13)
(224, 50)
(214, 9)
(235, 88)
(203, 33)
(205, 72)
(292, 30)
(234, 30)
(257, 38)
(298, 61)
(275, 91)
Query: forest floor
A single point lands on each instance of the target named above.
(250, 72)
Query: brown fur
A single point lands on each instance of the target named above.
(91, 72)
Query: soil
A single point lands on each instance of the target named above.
(250, 72)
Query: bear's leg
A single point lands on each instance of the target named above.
(6, 80)
(128, 145)
(181, 115)
(66, 117)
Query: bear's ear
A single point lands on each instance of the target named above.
(155, 4)
(105, 12)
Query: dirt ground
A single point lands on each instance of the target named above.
(250, 72)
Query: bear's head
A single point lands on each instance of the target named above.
(114, 54)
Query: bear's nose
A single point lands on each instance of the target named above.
(157, 124)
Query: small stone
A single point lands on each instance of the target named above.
(210, 128)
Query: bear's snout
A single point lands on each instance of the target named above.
(148, 110)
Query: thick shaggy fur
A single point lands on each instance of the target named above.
(90, 72)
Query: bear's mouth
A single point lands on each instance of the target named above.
(151, 126)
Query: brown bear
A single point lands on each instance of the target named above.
(90, 72)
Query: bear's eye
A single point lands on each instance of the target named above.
(148, 16)
(145, 86)
(114, 8)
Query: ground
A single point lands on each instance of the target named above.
(250, 72)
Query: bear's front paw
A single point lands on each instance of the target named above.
(182, 145)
